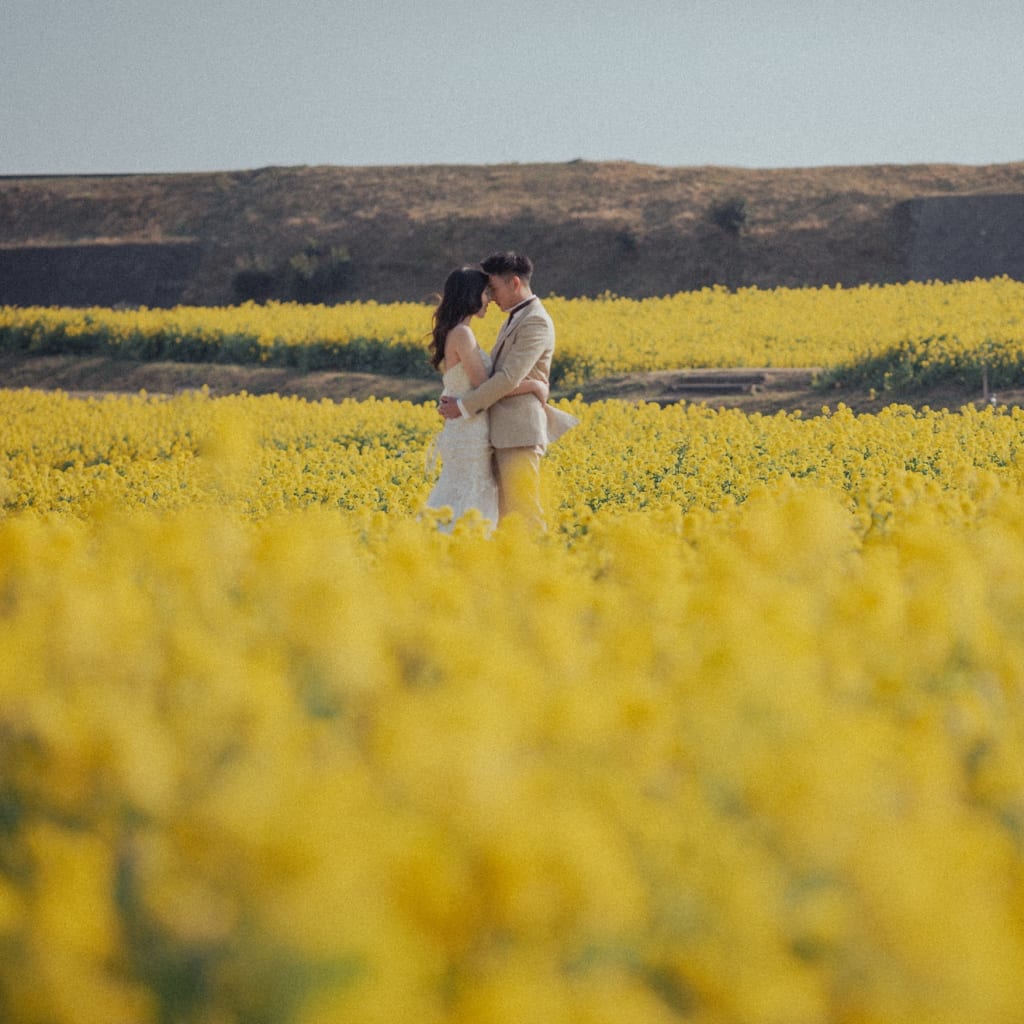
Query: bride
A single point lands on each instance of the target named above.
(467, 478)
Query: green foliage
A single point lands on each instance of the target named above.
(317, 274)
(935, 361)
(396, 357)
(253, 284)
(729, 214)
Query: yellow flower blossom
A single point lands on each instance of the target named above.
(737, 740)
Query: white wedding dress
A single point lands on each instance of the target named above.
(464, 447)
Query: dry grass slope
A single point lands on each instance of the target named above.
(631, 229)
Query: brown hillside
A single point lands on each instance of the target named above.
(631, 229)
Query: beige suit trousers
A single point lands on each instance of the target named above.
(518, 474)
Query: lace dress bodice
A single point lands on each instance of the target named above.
(464, 446)
(456, 381)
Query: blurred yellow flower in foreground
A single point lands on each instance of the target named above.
(737, 740)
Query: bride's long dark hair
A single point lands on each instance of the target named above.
(463, 296)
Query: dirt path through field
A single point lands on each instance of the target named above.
(766, 391)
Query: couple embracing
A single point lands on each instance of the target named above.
(498, 422)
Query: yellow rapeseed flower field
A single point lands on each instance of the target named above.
(891, 337)
(738, 741)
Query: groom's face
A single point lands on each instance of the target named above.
(504, 290)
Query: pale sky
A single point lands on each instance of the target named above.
(105, 86)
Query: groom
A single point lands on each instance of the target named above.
(525, 345)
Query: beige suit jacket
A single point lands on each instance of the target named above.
(523, 350)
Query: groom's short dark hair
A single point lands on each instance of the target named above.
(507, 264)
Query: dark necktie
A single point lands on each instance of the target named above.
(515, 309)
